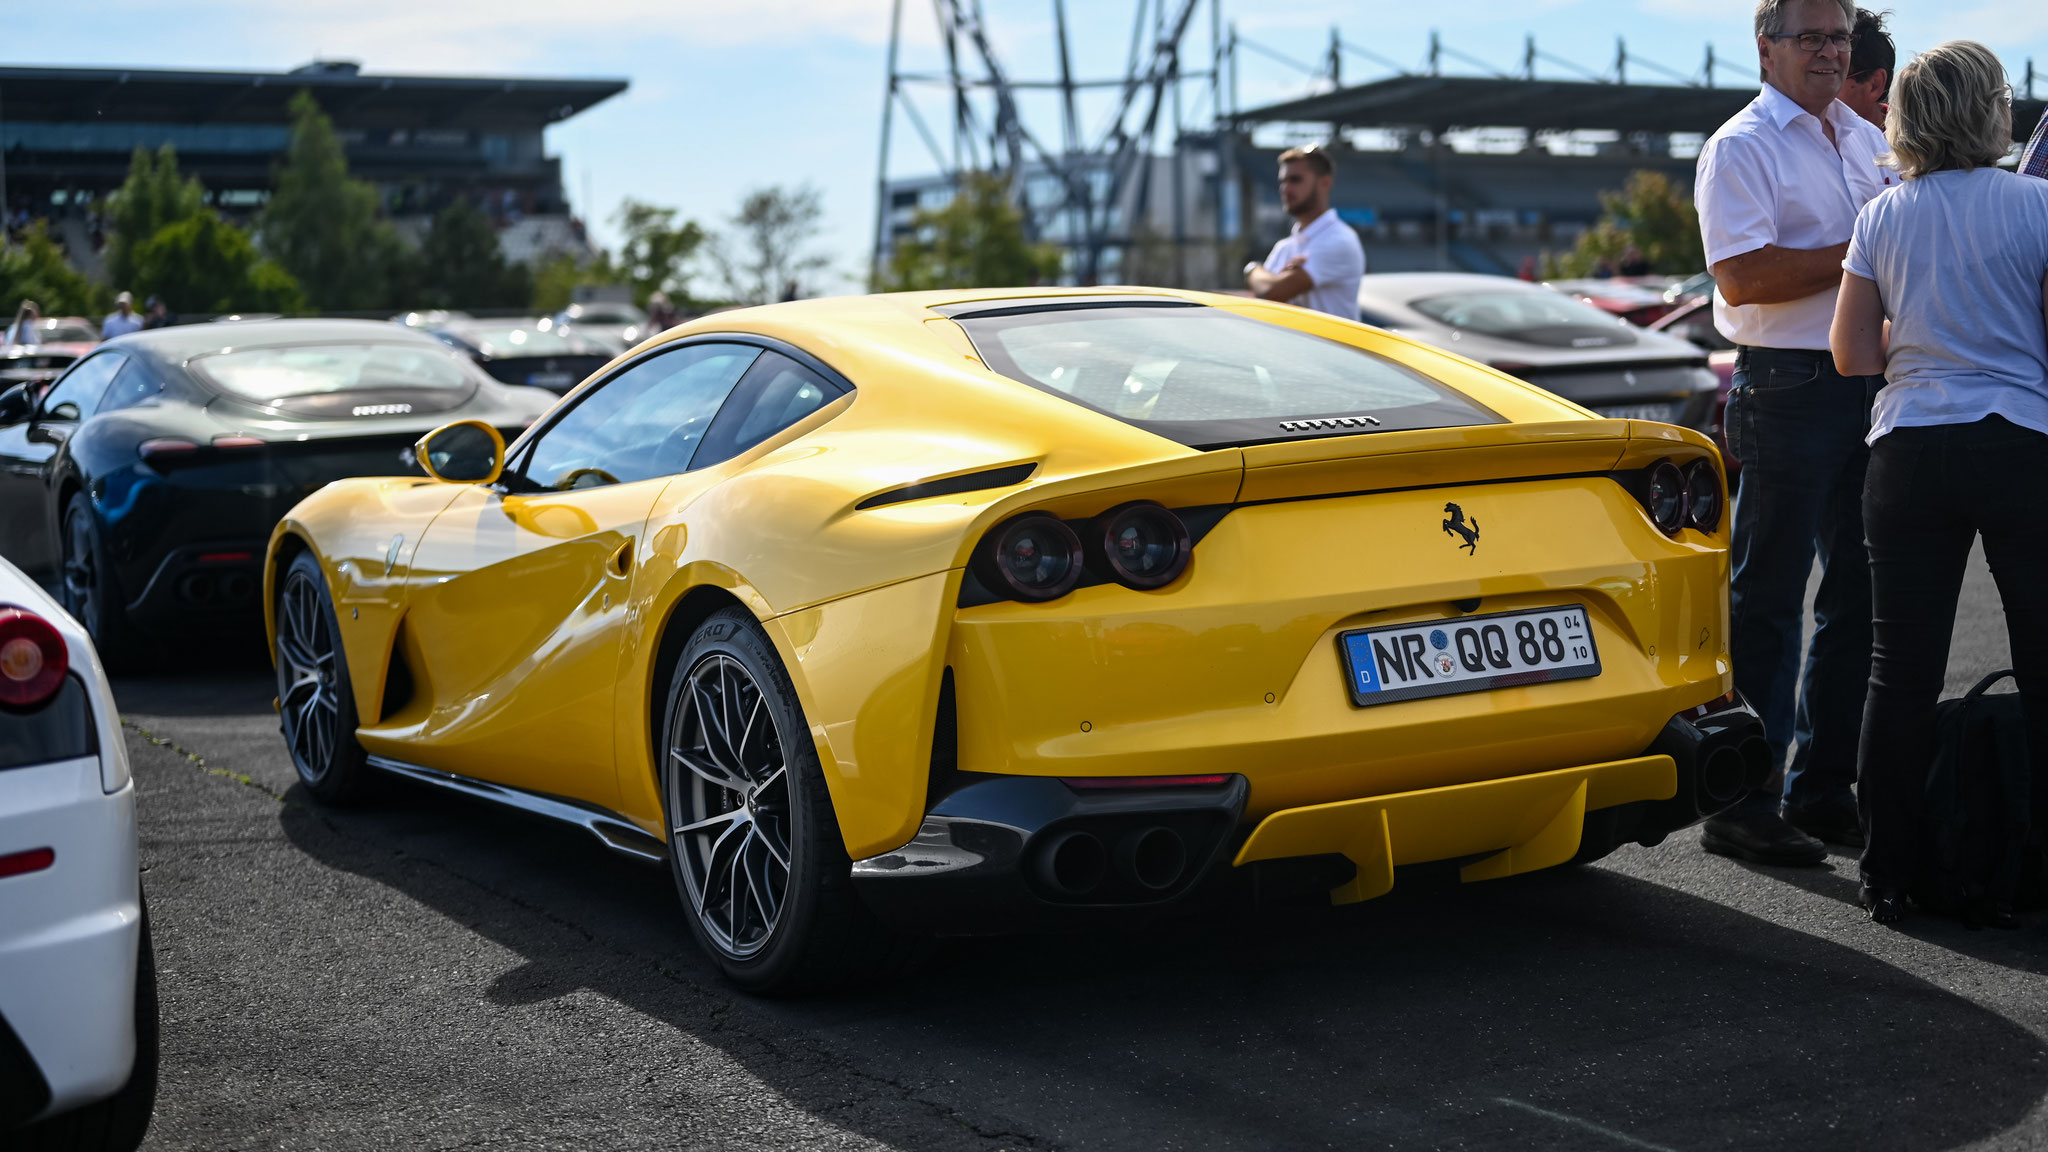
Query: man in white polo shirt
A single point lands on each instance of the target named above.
(1319, 263)
(1778, 192)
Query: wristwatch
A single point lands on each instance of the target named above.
(1250, 265)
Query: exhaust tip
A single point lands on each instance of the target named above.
(1723, 775)
(1072, 863)
(1154, 858)
(237, 586)
(195, 587)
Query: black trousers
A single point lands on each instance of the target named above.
(1930, 493)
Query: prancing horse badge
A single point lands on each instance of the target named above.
(1456, 526)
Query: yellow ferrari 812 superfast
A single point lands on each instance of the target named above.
(950, 612)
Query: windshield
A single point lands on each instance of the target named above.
(67, 332)
(1534, 316)
(520, 340)
(267, 375)
(603, 314)
(1207, 378)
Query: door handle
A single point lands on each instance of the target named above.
(622, 559)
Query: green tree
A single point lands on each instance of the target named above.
(323, 226)
(35, 269)
(1647, 215)
(975, 241)
(205, 264)
(153, 197)
(766, 249)
(657, 251)
(556, 278)
(461, 264)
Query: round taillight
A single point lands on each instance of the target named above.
(1664, 496)
(1141, 545)
(33, 659)
(1034, 557)
(1702, 496)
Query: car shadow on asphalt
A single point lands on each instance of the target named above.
(1570, 1009)
(233, 681)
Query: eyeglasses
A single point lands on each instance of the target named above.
(1815, 41)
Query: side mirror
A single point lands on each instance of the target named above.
(17, 404)
(465, 452)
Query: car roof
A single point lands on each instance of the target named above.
(182, 342)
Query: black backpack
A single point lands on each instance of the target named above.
(1981, 847)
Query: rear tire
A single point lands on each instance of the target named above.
(118, 1123)
(754, 845)
(316, 701)
(89, 590)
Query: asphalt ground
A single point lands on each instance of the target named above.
(433, 973)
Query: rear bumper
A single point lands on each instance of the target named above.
(1011, 853)
(69, 933)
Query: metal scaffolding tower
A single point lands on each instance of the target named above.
(1102, 180)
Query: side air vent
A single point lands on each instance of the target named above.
(1002, 477)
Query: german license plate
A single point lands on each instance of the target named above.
(1659, 413)
(555, 380)
(1468, 654)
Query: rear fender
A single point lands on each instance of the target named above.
(866, 669)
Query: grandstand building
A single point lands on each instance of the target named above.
(66, 136)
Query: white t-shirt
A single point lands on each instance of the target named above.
(1958, 258)
(1336, 263)
(118, 325)
(1770, 177)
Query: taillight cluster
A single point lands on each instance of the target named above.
(1680, 498)
(33, 659)
(1038, 556)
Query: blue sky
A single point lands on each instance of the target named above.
(729, 96)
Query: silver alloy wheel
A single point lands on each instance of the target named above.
(305, 675)
(81, 574)
(729, 789)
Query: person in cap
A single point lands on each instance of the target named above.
(123, 319)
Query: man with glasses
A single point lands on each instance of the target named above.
(1778, 191)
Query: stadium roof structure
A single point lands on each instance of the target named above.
(1443, 103)
(148, 96)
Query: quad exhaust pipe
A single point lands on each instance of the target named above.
(1148, 860)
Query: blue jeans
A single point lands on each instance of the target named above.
(1798, 426)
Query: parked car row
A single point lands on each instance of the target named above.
(1583, 340)
(144, 482)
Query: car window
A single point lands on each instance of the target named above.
(132, 385)
(267, 375)
(1533, 316)
(76, 394)
(642, 423)
(776, 393)
(1206, 378)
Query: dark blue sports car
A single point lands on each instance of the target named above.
(145, 481)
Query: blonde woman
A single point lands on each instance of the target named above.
(1956, 257)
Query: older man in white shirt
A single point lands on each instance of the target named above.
(1779, 189)
(1319, 263)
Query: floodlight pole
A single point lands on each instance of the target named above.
(882, 165)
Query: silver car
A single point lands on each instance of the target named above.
(1551, 340)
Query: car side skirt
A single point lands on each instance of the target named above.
(613, 830)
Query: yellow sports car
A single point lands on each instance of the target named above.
(972, 611)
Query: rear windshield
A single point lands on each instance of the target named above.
(1210, 379)
(271, 374)
(1535, 316)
